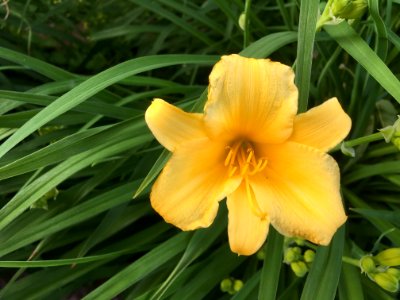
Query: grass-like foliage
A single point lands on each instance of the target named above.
(77, 160)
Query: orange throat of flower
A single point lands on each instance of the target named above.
(242, 160)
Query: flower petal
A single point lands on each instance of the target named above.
(187, 191)
(253, 98)
(303, 188)
(322, 127)
(247, 232)
(171, 125)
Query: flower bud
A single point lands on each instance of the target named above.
(299, 268)
(394, 272)
(237, 285)
(396, 142)
(390, 133)
(387, 281)
(242, 21)
(299, 241)
(367, 264)
(309, 256)
(389, 257)
(261, 254)
(349, 9)
(226, 285)
(292, 254)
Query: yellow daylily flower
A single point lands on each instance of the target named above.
(250, 147)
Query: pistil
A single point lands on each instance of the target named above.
(242, 160)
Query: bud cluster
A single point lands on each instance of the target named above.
(338, 10)
(381, 268)
(231, 285)
(297, 256)
(392, 133)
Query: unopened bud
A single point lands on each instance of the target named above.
(299, 241)
(349, 9)
(387, 281)
(237, 285)
(261, 254)
(394, 272)
(367, 264)
(309, 256)
(226, 285)
(390, 133)
(389, 257)
(299, 268)
(292, 254)
(242, 21)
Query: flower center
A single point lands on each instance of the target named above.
(241, 159)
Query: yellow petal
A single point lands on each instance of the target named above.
(171, 125)
(247, 232)
(303, 187)
(187, 191)
(252, 98)
(323, 126)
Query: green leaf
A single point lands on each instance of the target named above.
(305, 46)
(95, 84)
(37, 65)
(267, 45)
(354, 45)
(29, 194)
(323, 278)
(198, 244)
(140, 268)
(272, 266)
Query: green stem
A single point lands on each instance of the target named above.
(365, 139)
(351, 261)
(362, 140)
(325, 16)
(246, 40)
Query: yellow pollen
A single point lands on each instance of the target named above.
(242, 158)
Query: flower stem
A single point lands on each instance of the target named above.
(246, 33)
(351, 261)
(362, 140)
(365, 139)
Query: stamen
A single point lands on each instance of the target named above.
(242, 157)
(261, 165)
(232, 171)
(228, 158)
(253, 202)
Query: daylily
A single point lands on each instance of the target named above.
(250, 147)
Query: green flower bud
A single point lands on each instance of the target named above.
(309, 256)
(349, 9)
(237, 285)
(299, 241)
(396, 142)
(386, 281)
(292, 254)
(299, 268)
(367, 264)
(261, 254)
(242, 21)
(394, 272)
(42, 202)
(389, 257)
(390, 133)
(226, 285)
